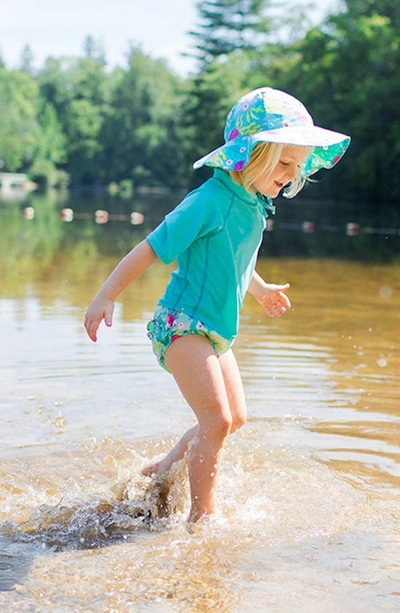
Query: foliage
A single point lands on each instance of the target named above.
(140, 132)
(228, 26)
(19, 127)
(27, 60)
(212, 94)
(79, 89)
(142, 125)
(94, 50)
(346, 73)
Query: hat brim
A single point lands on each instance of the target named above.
(327, 148)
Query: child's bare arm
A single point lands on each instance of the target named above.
(270, 295)
(128, 269)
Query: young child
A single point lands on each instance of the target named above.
(214, 234)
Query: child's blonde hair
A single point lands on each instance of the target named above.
(263, 159)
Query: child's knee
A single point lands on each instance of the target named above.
(237, 422)
(223, 427)
(239, 415)
(219, 429)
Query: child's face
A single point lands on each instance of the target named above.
(284, 172)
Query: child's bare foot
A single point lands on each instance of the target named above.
(176, 454)
(158, 468)
(151, 469)
(197, 513)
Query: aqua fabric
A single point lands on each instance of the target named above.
(214, 235)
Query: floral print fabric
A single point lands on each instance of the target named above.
(168, 325)
(272, 116)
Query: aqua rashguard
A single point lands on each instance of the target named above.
(214, 235)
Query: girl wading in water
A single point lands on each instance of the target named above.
(271, 144)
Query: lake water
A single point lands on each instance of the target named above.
(310, 488)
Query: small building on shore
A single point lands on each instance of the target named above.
(10, 181)
(15, 185)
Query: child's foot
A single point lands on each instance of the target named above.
(197, 514)
(176, 454)
(157, 469)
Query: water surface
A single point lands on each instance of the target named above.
(309, 488)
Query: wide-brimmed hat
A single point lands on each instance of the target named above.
(272, 116)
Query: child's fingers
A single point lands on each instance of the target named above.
(108, 316)
(91, 328)
(92, 322)
(285, 302)
(283, 288)
(94, 317)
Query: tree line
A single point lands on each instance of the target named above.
(76, 122)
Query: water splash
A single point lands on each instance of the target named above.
(140, 504)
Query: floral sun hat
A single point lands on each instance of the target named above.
(272, 116)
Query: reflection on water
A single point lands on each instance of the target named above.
(309, 490)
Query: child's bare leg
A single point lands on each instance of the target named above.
(234, 389)
(197, 370)
(177, 453)
(237, 404)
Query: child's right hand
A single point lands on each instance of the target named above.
(100, 308)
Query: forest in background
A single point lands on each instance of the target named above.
(75, 122)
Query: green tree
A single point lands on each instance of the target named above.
(212, 94)
(26, 60)
(346, 72)
(65, 79)
(90, 81)
(19, 127)
(140, 136)
(84, 123)
(372, 53)
(56, 81)
(50, 147)
(227, 26)
(51, 144)
(94, 50)
(31, 138)
(354, 9)
(79, 90)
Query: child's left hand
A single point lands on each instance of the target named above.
(273, 299)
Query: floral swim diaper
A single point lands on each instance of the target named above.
(167, 325)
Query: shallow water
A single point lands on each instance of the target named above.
(309, 490)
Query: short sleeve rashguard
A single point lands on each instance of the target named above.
(214, 235)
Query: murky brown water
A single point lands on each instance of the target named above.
(310, 487)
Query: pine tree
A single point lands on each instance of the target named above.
(228, 26)
(94, 50)
(26, 61)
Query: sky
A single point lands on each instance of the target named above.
(59, 27)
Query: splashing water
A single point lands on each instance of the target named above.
(281, 511)
(139, 504)
(308, 492)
